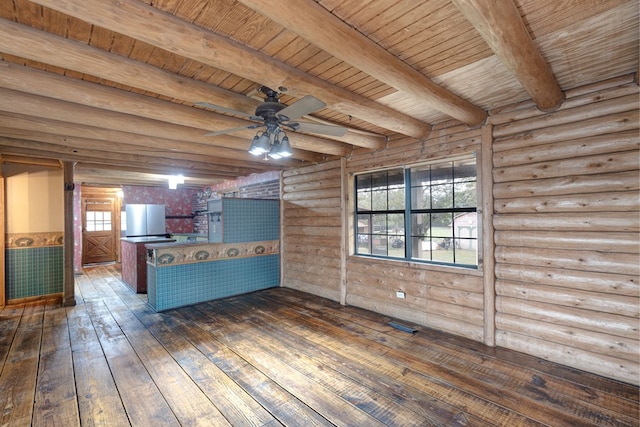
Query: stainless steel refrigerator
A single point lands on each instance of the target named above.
(145, 220)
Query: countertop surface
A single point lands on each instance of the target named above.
(147, 239)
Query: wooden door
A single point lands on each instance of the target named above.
(99, 230)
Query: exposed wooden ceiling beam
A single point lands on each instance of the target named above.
(56, 86)
(142, 143)
(37, 45)
(500, 25)
(146, 23)
(317, 25)
(39, 106)
(72, 146)
(160, 165)
(98, 174)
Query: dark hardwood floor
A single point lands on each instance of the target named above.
(276, 357)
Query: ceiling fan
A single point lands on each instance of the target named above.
(277, 117)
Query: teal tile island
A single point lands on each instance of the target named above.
(246, 260)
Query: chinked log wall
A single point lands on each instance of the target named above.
(566, 230)
(566, 220)
(314, 253)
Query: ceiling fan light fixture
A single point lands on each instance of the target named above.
(285, 147)
(274, 153)
(260, 144)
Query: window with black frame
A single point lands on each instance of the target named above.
(380, 213)
(435, 221)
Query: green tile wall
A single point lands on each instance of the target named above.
(34, 271)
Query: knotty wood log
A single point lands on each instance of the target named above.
(623, 305)
(609, 89)
(48, 108)
(148, 24)
(608, 366)
(502, 27)
(584, 260)
(421, 317)
(606, 323)
(421, 274)
(333, 182)
(297, 212)
(320, 203)
(311, 194)
(598, 164)
(569, 185)
(300, 258)
(384, 295)
(608, 283)
(581, 339)
(571, 240)
(619, 122)
(620, 201)
(333, 35)
(312, 176)
(590, 145)
(54, 86)
(322, 288)
(320, 221)
(569, 116)
(604, 221)
(56, 131)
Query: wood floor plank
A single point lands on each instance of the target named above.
(277, 357)
(602, 408)
(99, 402)
(386, 409)
(55, 398)
(18, 379)
(369, 357)
(144, 403)
(432, 410)
(9, 319)
(473, 390)
(287, 408)
(188, 403)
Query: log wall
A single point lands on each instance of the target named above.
(561, 245)
(312, 229)
(566, 218)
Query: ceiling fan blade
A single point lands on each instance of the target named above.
(227, 110)
(223, 132)
(308, 104)
(320, 128)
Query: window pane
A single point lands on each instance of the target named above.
(380, 224)
(90, 216)
(364, 201)
(396, 198)
(379, 200)
(421, 197)
(420, 224)
(442, 196)
(107, 216)
(465, 195)
(91, 226)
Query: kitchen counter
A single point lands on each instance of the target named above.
(134, 260)
(188, 273)
(147, 239)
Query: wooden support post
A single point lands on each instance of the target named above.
(488, 245)
(344, 245)
(3, 296)
(68, 298)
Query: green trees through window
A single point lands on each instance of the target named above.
(434, 221)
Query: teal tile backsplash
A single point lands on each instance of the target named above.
(34, 271)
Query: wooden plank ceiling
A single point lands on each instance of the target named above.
(114, 85)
